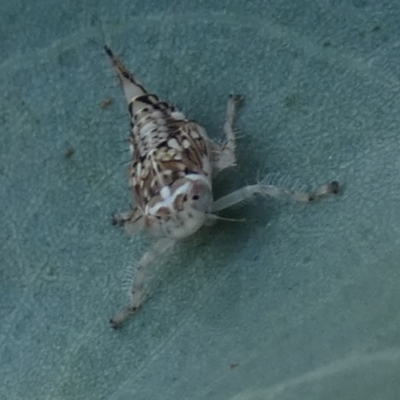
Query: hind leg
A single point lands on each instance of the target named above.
(275, 191)
(136, 289)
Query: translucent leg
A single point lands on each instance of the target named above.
(274, 191)
(224, 155)
(136, 290)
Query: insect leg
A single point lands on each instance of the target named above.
(275, 191)
(136, 290)
(224, 154)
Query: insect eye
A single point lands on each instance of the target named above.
(185, 197)
(195, 197)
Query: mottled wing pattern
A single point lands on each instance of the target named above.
(166, 147)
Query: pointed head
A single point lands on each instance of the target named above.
(179, 210)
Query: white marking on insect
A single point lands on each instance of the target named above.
(170, 174)
(174, 144)
(165, 192)
(168, 201)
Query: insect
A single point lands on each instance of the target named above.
(173, 164)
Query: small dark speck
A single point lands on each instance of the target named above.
(234, 365)
(292, 101)
(376, 28)
(69, 153)
(105, 103)
(334, 187)
(327, 43)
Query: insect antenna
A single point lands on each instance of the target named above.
(217, 217)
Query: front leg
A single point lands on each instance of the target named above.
(131, 220)
(158, 248)
(275, 191)
(224, 154)
(120, 219)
